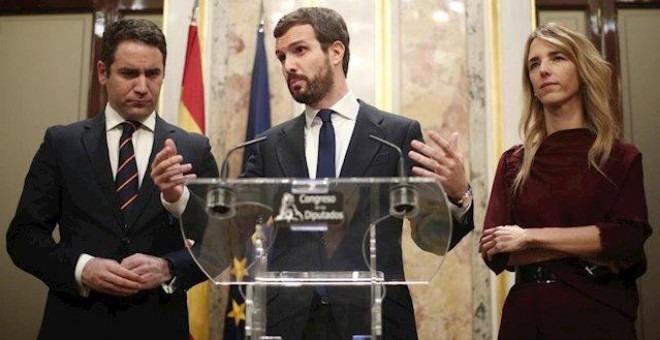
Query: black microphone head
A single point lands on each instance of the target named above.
(403, 197)
(220, 201)
(404, 201)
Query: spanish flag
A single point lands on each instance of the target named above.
(192, 118)
(191, 109)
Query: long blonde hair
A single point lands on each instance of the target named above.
(594, 74)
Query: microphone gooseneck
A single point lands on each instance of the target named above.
(224, 170)
(402, 169)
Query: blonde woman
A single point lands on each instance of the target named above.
(567, 209)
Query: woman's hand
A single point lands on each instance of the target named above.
(503, 239)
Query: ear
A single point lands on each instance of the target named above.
(102, 72)
(337, 50)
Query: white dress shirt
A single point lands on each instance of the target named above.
(143, 142)
(343, 121)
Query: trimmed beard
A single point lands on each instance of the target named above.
(317, 87)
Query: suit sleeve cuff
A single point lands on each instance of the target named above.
(80, 265)
(177, 208)
(169, 287)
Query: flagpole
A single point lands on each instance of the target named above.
(261, 16)
(195, 11)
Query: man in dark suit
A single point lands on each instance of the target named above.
(312, 45)
(120, 269)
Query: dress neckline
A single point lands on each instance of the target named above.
(576, 139)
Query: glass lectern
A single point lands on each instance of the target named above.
(345, 239)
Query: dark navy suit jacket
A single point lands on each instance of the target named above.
(70, 184)
(282, 154)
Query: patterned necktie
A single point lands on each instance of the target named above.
(325, 166)
(126, 180)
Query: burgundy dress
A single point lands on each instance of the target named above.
(563, 190)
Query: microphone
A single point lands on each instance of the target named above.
(224, 170)
(403, 196)
(220, 199)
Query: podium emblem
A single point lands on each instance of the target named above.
(310, 208)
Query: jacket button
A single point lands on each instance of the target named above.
(125, 241)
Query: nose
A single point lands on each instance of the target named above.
(290, 65)
(140, 85)
(544, 68)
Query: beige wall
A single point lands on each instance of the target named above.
(640, 47)
(43, 81)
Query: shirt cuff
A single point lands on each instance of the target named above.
(80, 265)
(459, 211)
(177, 208)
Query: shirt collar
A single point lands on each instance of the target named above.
(112, 119)
(348, 107)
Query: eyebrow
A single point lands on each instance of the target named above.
(293, 44)
(134, 69)
(552, 54)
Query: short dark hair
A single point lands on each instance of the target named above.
(328, 27)
(139, 30)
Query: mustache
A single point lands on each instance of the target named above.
(291, 77)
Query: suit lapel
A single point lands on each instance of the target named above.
(291, 149)
(362, 149)
(96, 146)
(148, 189)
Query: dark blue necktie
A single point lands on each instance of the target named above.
(325, 166)
(126, 180)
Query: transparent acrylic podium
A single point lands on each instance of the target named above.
(348, 239)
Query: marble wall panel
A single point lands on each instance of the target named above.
(433, 89)
(482, 309)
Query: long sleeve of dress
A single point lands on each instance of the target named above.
(499, 209)
(625, 228)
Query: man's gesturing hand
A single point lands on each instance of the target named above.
(168, 173)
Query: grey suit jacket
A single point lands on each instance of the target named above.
(70, 185)
(282, 154)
